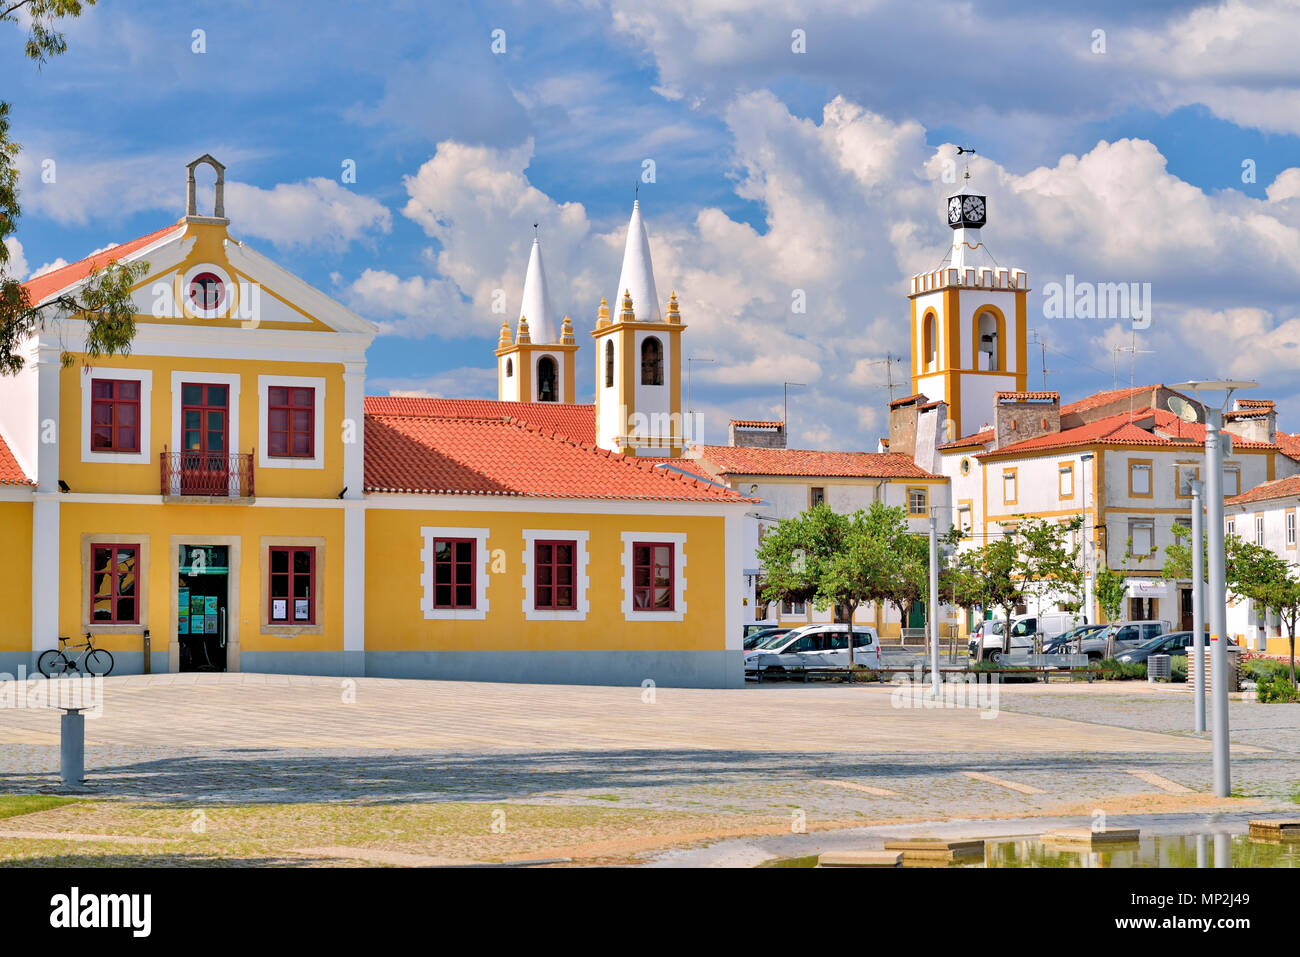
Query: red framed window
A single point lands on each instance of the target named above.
(114, 415)
(652, 576)
(454, 575)
(113, 580)
(554, 576)
(291, 425)
(292, 589)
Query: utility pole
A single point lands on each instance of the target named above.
(785, 406)
(1089, 572)
(935, 678)
(1043, 347)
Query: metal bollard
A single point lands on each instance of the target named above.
(148, 656)
(72, 748)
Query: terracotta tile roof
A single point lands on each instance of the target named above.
(576, 422)
(906, 399)
(1289, 444)
(1166, 430)
(758, 423)
(42, 287)
(465, 455)
(1098, 399)
(694, 466)
(1280, 488)
(11, 472)
(743, 460)
(983, 437)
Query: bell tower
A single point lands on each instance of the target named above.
(969, 324)
(532, 366)
(639, 360)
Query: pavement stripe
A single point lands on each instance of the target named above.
(1163, 783)
(1003, 782)
(854, 785)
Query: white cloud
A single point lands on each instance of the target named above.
(853, 205)
(16, 267)
(315, 212)
(48, 267)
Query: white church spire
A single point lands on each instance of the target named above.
(638, 276)
(536, 304)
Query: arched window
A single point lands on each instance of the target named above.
(609, 363)
(652, 362)
(546, 381)
(986, 344)
(510, 368)
(928, 347)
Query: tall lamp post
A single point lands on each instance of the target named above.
(1216, 587)
(1089, 573)
(1198, 601)
(936, 684)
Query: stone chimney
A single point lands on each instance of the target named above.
(757, 433)
(1018, 416)
(1254, 420)
(903, 415)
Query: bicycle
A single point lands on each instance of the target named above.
(97, 662)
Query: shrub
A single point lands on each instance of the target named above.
(1111, 669)
(1178, 668)
(1257, 669)
(1277, 689)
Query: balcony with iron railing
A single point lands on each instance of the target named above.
(211, 475)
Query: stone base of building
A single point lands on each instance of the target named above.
(667, 669)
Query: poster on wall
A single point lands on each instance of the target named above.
(196, 614)
(279, 609)
(301, 612)
(183, 611)
(209, 624)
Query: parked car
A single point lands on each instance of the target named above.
(1024, 629)
(755, 637)
(1064, 643)
(812, 647)
(1173, 643)
(1177, 643)
(1127, 635)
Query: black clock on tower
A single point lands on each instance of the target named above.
(966, 210)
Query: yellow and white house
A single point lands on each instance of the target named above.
(226, 498)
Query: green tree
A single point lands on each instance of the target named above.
(1110, 589)
(104, 301)
(1050, 564)
(989, 577)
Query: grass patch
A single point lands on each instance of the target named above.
(12, 805)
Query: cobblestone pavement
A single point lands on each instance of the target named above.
(825, 751)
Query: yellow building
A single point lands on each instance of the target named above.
(227, 498)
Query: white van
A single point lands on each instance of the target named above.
(1024, 629)
(812, 647)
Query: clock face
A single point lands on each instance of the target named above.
(954, 210)
(973, 209)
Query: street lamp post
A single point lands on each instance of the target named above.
(1216, 587)
(1089, 574)
(1198, 602)
(936, 684)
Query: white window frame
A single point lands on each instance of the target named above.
(265, 459)
(1290, 528)
(678, 541)
(231, 381)
(1235, 472)
(482, 561)
(581, 580)
(145, 378)
(1259, 530)
(1141, 468)
(1147, 524)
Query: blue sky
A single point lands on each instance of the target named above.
(775, 171)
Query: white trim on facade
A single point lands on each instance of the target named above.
(264, 458)
(581, 580)
(143, 428)
(678, 540)
(481, 561)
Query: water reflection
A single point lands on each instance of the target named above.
(1158, 850)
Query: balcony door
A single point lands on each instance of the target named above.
(205, 440)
